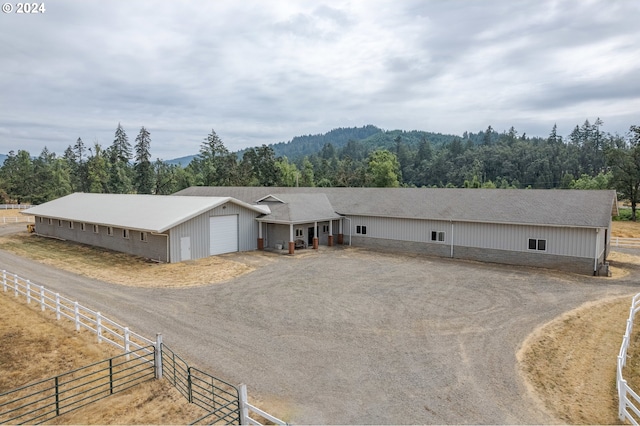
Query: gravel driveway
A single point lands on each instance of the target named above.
(353, 336)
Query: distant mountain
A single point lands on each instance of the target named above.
(369, 138)
(182, 161)
(301, 146)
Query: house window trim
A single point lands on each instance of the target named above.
(325, 229)
(144, 237)
(110, 231)
(361, 229)
(60, 223)
(299, 232)
(537, 245)
(50, 221)
(83, 226)
(71, 224)
(96, 229)
(125, 234)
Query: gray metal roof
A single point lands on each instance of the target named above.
(298, 208)
(152, 213)
(576, 208)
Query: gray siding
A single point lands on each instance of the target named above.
(154, 248)
(198, 229)
(569, 249)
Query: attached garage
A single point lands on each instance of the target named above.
(223, 234)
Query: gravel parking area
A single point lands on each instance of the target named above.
(353, 336)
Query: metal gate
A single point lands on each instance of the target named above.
(219, 398)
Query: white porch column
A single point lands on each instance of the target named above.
(331, 233)
(292, 244)
(315, 235)
(260, 239)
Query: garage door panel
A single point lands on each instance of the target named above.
(223, 234)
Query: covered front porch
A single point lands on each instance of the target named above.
(298, 221)
(300, 236)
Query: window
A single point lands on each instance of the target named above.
(96, 229)
(40, 219)
(59, 222)
(70, 225)
(299, 232)
(83, 226)
(540, 245)
(437, 236)
(50, 221)
(325, 229)
(361, 229)
(143, 237)
(125, 233)
(110, 231)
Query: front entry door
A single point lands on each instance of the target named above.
(310, 234)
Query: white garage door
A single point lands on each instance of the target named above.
(223, 234)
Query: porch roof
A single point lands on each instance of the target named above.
(297, 208)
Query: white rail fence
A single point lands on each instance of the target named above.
(625, 242)
(14, 206)
(16, 219)
(109, 331)
(628, 399)
(105, 329)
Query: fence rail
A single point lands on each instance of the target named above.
(627, 398)
(625, 242)
(15, 206)
(42, 401)
(16, 219)
(225, 402)
(105, 329)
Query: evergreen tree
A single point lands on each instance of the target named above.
(624, 161)
(144, 173)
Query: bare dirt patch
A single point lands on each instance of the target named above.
(33, 346)
(570, 363)
(121, 268)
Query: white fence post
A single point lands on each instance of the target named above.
(127, 339)
(4, 280)
(99, 327)
(76, 311)
(58, 306)
(42, 305)
(15, 285)
(158, 355)
(28, 291)
(244, 410)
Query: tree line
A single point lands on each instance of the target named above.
(587, 158)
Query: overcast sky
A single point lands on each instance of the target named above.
(264, 71)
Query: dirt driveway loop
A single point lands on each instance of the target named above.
(349, 336)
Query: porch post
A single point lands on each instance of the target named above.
(260, 239)
(330, 233)
(340, 234)
(292, 244)
(315, 235)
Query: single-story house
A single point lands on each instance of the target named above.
(162, 228)
(559, 229)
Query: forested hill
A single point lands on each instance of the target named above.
(370, 136)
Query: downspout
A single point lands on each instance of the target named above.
(595, 260)
(451, 239)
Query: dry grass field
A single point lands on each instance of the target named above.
(121, 268)
(34, 346)
(625, 229)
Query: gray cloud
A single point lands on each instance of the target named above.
(261, 72)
